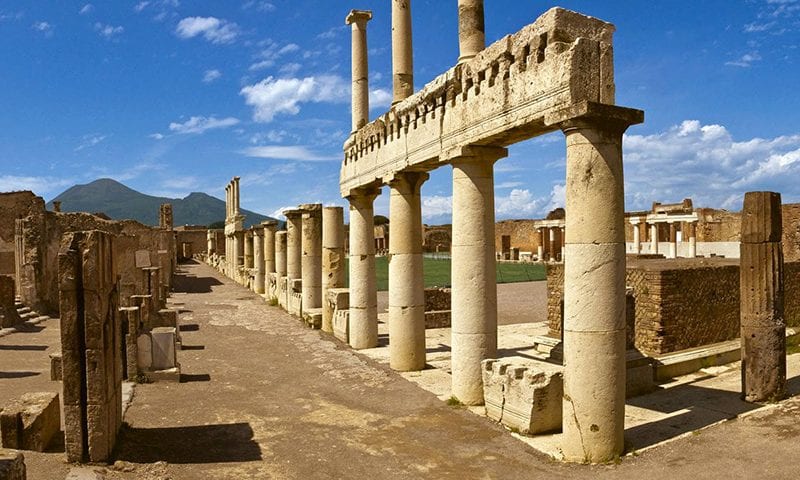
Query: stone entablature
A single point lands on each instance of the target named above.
(508, 92)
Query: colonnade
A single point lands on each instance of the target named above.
(551, 240)
(650, 224)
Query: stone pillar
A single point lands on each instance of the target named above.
(474, 292)
(236, 198)
(311, 246)
(763, 325)
(552, 242)
(406, 281)
(227, 202)
(673, 240)
(294, 238)
(357, 19)
(211, 239)
(236, 261)
(540, 248)
(280, 253)
(402, 52)
(692, 226)
(563, 242)
(269, 245)
(248, 249)
(363, 294)
(258, 260)
(471, 31)
(332, 259)
(654, 238)
(637, 240)
(594, 293)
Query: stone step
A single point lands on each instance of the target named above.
(23, 309)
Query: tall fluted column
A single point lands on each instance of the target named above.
(332, 259)
(471, 31)
(258, 260)
(236, 197)
(238, 255)
(763, 325)
(402, 51)
(406, 281)
(248, 249)
(637, 240)
(474, 293)
(269, 228)
(692, 239)
(363, 294)
(654, 238)
(594, 293)
(311, 263)
(294, 236)
(357, 19)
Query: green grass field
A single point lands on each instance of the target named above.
(437, 272)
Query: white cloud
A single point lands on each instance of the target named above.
(295, 152)
(271, 52)
(211, 75)
(380, 98)
(86, 9)
(140, 6)
(212, 29)
(706, 163)
(260, 6)
(508, 185)
(290, 68)
(44, 27)
(200, 124)
(272, 96)
(40, 185)
(436, 206)
(519, 203)
(89, 141)
(745, 60)
(156, 136)
(108, 31)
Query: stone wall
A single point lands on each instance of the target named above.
(522, 232)
(196, 241)
(791, 232)
(13, 206)
(680, 304)
(437, 238)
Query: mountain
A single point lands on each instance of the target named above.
(120, 202)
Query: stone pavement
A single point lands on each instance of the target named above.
(265, 398)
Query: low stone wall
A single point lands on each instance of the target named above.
(12, 465)
(680, 304)
(31, 422)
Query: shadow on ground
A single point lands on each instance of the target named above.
(184, 283)
(197, 444)
(4, 375)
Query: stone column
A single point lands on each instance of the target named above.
(540, 248)
(402, 53)
(594, 293)
(294, 228)
(654, 238)
(228, 201)
(357, 19)
(552, 242)
(332, 259)
(236, 197)
(258, 260)
(471, 31)
(763, 325)
(474, 293)
(311, 246)
(238, 246)
(673, 240)
(637, 240)
(269, 245)
(692, 227)
(280, 253)
(406, 281)
(363, 294)
(563, 242)
(211, 238)
(248, 249)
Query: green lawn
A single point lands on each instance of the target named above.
(437, 272)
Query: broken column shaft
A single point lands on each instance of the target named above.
(311, 257)
(258, 260)
(763, 325)
(294, 235)
(358, 19)
(269, 245)
(332, 259)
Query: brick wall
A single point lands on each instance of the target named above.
(522, 232)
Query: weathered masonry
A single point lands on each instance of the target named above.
(555, 74)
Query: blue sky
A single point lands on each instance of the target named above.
(175, 96)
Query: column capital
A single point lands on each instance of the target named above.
(585, 114)
(412, 180)
(293, 213)
(257, 232)
(270, 224)
(358, 17)
(475, 153)
(363, 194)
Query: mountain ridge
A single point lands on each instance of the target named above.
(121, 202)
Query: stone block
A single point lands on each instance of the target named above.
(31, 422)
(8, 310)
(438, 319)
(163, 341)
(167, 318)
(12, 465)
(341, 322)
(55, 367)
(523, 397)
(144, 346)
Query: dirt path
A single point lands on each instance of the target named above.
(265, 398)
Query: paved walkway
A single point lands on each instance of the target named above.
(265, 398)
